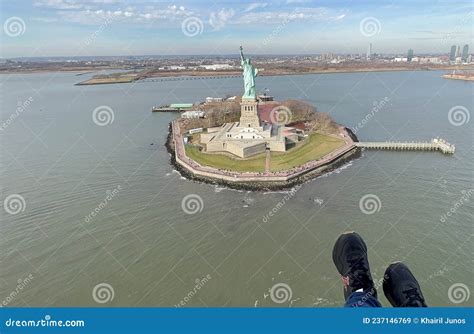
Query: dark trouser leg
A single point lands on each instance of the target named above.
(362, 299)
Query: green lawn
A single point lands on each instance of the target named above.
(252, 164)
(314, 147)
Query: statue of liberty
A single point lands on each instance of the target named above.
(250, 73)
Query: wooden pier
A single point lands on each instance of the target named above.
(436, 144)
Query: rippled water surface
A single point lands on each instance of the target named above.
(151, 252)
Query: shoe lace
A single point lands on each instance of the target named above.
(413, 296)
(359, 273)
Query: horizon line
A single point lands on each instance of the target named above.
(221, 55)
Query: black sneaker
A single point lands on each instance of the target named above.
(350, 257)
(401, 288)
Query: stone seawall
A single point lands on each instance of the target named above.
(258, 183)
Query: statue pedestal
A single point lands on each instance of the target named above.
(248, 113)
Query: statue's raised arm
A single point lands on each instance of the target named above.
(242, 59)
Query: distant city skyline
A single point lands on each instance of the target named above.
(47, 28)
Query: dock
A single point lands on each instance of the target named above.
(436, 144)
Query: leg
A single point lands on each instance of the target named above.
(401, 288)
(350, 257)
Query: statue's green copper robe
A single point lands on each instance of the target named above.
(250, 73)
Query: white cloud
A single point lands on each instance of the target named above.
(96, 15)
(255, 5)
(296, 1)
(58, 4)
(96, 11)
(45, 19)
(74, 4)
(271, 17)
(219, 19)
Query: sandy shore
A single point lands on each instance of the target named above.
(459, 77)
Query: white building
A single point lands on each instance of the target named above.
(215, 67)
(247, 137)
(193, 114)
(426, 60)
(214, 99)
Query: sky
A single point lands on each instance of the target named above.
(36, 28)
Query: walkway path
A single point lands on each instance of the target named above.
(267, 161)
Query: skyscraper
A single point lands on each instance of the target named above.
(410, 55)
(465, 52)
(452, 54)
(458, 52)
(369, 52)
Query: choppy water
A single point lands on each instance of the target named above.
(150, 251)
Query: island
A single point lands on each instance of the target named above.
(256, 143)
(460, 75)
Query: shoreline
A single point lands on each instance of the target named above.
(264, 185)
(262, 74)
(270, 72)
(79, 71)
